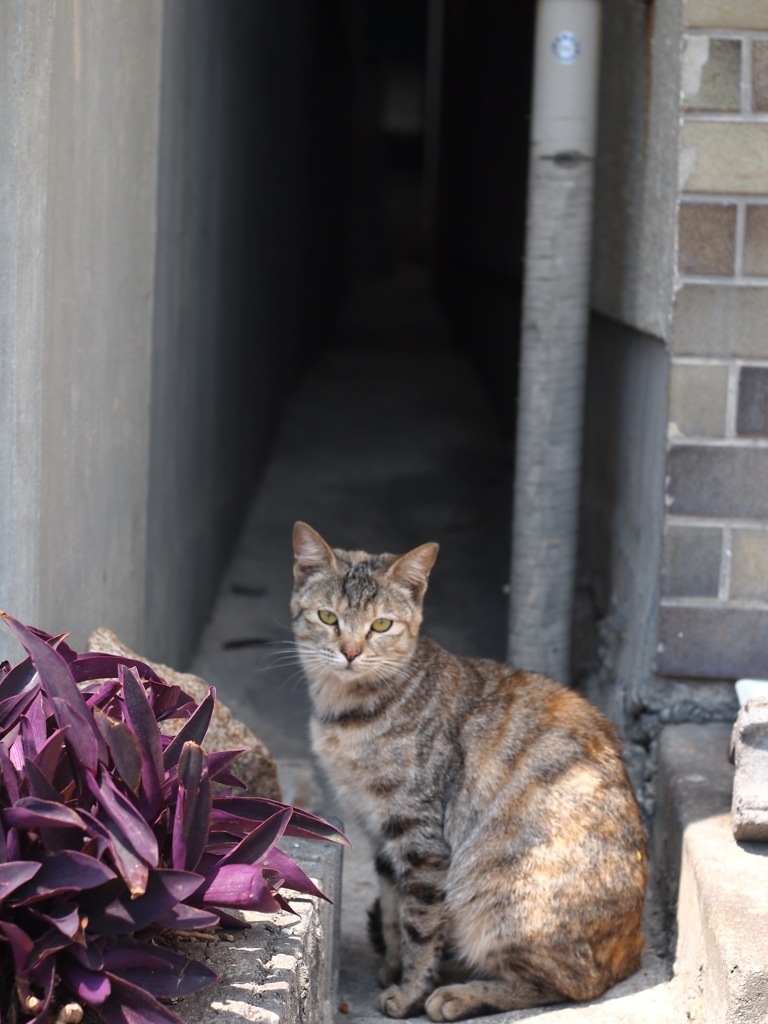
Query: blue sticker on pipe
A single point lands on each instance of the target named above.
(566, 47)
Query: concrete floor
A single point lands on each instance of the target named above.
(389, 441)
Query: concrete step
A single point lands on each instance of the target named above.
(720, 888)
(284, 969)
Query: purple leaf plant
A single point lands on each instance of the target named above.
(111, 834)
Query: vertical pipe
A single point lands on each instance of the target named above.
(554, 334)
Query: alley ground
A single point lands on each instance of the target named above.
(388, 441)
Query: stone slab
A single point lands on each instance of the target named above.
(749, 750)
(720, 886)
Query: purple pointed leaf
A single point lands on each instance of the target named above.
(54, 837)
(194, 730)
(50, 753)
(95, 665)
(187, 918)
(125, 952)
(10, 774)
(133, 869)
(151, 791)
(130, 1004)
(65, 917)
(170, 701)
(219, 759)
(302, 825)
(162, 972)
(39, 785)
(224, 777)
(92, 987)
(17, 680)
(34, 725)
(120, 810)
(283, 904)
(123, 746)
(15, 873)
(21, 944)
(229, 921)
(90, 956)
(59, 641)
(160, 827)
(260, 841)
(292, 875)
(193, 808)
(142, 717)
(238, 885)
(32, 812)
(93, 901)
(12, 845)
(51, 942)
(165, 888)
(44, 976)
(80, 739)
(104, 694)
(52, 669)
(16, 752)
(65, 871)
(12, 708)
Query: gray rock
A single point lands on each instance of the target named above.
(749, 751)
(256, 767)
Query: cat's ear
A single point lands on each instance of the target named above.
(311, 552)
(413, 568)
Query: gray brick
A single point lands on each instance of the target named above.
(709, 481)
(719, 79)
(755, 255)
(712, 643)
(752, 415)
(715, 320)
(706, 238)
(697, 399)
(691, 561)
(749, 564)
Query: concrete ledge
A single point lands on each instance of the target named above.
(720, 886)
(283, 970)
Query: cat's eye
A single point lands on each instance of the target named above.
(381, 625)
(329, 618)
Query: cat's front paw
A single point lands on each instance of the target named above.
(448, 1003)
(399, 1002)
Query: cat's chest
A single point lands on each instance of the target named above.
(362, 752)
(374, 771)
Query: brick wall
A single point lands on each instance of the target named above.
(713, 621)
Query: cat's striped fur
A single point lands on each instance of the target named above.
(497, 803)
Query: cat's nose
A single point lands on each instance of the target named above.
(350, 652)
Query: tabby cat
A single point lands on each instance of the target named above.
(497, 803)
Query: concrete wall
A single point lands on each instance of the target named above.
(79, 116)
(680, 255)
(619, 530)
(636, 176)
(161, 280)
